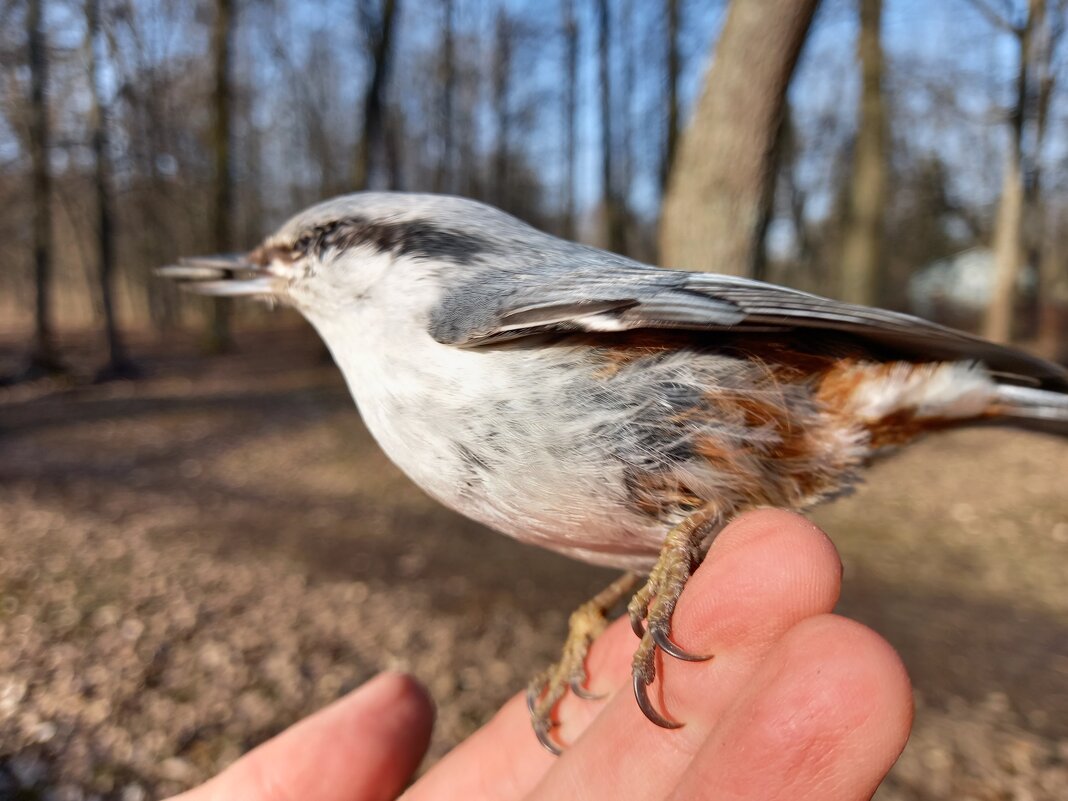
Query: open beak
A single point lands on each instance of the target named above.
(225, 275)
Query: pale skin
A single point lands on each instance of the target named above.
(797, 704)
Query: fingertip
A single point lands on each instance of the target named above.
(396, 707)
(401, 693)
(786, 537)
(765, 571)
(362, 747)
(826, 715)
(835, 706)
(777, 524)
(868, 675)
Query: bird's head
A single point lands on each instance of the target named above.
(335, 256)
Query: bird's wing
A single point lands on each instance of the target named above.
(626, 297)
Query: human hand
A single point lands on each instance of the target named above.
(797, 704)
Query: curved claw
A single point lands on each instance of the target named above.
(668, 646)
(636, 626)
(541, 726)
(584, 694)
(641, 695)
(533, 694)
(547, 742)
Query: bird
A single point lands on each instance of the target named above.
(615, 412)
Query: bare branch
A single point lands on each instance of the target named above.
(998, 20)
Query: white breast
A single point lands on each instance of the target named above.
(484, 432)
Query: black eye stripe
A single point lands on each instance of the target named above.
(415, 238)
(317, 239)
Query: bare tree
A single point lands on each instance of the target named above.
(860, 269)
(803, 269)
(1017, 237)
(1049, 237)
(156, 207)
(469, 177)
(717, 201)
(502, 79)
(379, 28)
(443, 178)
(571, 47)
(622, 108)
(1008, 227)
(1053, 304)
(118, 365)
(43, 357)
(673, 71)
(220, 337)
(615, 236)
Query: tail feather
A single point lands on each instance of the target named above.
(1035, 409)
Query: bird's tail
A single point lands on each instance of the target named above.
(1035, 409)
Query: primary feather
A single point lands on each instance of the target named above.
(623, 295)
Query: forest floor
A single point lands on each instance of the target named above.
(193, 561)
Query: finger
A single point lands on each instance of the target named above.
(503, 760)
(364, 747)
(826, 716)
(763, 575)
(764, 572)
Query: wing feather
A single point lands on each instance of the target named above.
(625, 296)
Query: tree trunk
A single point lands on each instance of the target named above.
(674, 68)
(861, 264)
(615, 239)
(43, 357)
(622, 106)
(1053, 297)
(1008, 249)
(759, 262)
(716, 204)
(1008, 242)
(796, 201)
(370, 141)
(161, 298)
(443, 176)
(571, 42)
(220, 337)
(1048, 245)
(117, 365)
(469, 174)
(502, 73)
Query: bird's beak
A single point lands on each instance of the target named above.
(225, 275)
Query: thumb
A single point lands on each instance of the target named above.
(363, 747)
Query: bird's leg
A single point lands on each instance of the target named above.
(654, 604)
(585, 624)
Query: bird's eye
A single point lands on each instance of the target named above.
(304, 243)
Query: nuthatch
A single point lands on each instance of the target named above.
(615, 412)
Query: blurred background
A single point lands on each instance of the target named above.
(199, 543)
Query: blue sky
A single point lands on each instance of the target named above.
(948, 70)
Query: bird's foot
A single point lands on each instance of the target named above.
(548, 687)
(654, 604)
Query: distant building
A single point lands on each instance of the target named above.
(957, 289)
